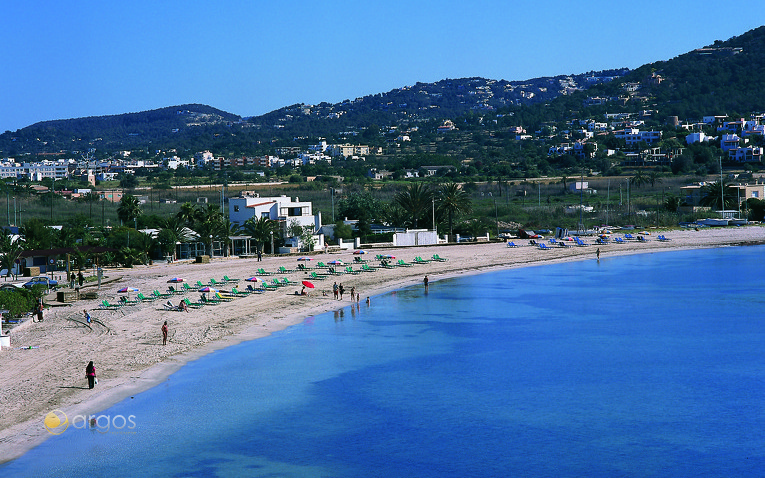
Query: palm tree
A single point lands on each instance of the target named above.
(209, 224)
(639, 179)
(711, 196)
(187, 214)
(416, 200)
(654, 177)
(230, 229)
(129, 209)
(452, 201)
(11, 248)
(260, 229)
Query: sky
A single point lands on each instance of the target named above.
(86, 58)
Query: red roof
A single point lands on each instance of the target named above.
(262, 204)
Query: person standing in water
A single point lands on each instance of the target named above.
(425, 281)
(598, 253)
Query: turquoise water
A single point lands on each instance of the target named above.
(648, 365)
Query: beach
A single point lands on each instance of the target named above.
(126, 344)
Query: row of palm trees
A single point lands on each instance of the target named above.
(448, 200)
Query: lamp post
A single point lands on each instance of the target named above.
(272, 242)
(211, 246)
(332, 194)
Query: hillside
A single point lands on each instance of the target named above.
(200, 127)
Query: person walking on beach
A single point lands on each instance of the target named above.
(368, 302)
(80, 278)
(598, 253)
(334, 290)
(425, 281)
(164, 333)
(87, 316)
(40, 311)
(90, 372)
(341, 290)
(260, 255)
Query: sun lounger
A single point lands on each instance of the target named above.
(359, 260)
(159, 295)
(437, 258)
(287, 282)
(198, 285)
(105, 305)
(173, 290)
(267, 286)
(321, 265)
(253, 290)
(403, 264)
(642, 239)
(553, 241)
(581, 243)
(350, 270)
(209, 301)
(237, 293)
(544, 247)
(193, 305)
(335, 272)
(386, 265)
(512, 244)
(125, 301)
(143, 298)
(284, 270)
(618, 240)
(261, 272)
(420, 260)
(662, 238)
(602, 240)
(368, 268)
(223, 298)
(303, 267)
(230, 280)
(186, 287)
(215, 283)
(629, 237)
(315, 276)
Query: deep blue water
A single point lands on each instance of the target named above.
(648, 365)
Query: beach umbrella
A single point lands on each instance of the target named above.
(252, 279)
(360, 251)
(308, 284)
(175, 280)
(304, 258)
(336, 262)
(388, 256)
(127, 290)
(208, 289)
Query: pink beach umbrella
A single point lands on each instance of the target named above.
(253, 279)
(175, 280)
(304, 258)
(127, 290)
(360, 251)
(208, 289)
(335, 262)
(388, 256)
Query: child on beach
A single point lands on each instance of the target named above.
(87, 316)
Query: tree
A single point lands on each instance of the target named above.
(187, 214)
(260, 229)
(363, 207)
(416, 200)
(654, 177)
(129, 181)
(209, 224)
(712, 196)
(11, 248)
(129, 209)
(639, 179)
(453, 201)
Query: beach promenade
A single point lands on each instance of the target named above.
(125, 344)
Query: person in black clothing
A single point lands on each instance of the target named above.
(90, 372)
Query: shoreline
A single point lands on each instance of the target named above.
(129, 356)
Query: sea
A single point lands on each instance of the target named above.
(649, 365)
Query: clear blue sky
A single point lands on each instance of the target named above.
(86, 58)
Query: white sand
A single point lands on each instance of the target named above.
(129, 355)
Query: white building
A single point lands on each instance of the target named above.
(281, 208)
(35, 171)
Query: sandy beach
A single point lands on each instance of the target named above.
(126, 344)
